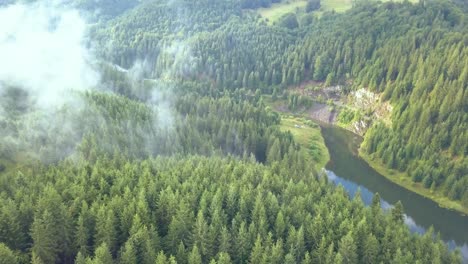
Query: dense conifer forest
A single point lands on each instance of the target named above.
(415, 55)
(174, 155)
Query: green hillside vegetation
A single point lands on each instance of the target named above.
(277, 10)
(402, 179)
(197, 210)
(234, 50)
(427, 139)
(336, 5)
(308, 135)
(185, 162)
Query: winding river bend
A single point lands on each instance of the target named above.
(348, 169)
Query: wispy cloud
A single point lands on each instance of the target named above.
(43, 51)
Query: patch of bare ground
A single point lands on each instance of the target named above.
(322, 113)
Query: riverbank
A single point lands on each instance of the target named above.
(304, 129)
(309, 136)
(323, 113)
(404, 180)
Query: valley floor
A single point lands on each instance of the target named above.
(309, 136)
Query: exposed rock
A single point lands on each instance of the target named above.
(360, 127)
(322, 113)
(364, 99)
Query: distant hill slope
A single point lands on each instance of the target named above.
(414, 55)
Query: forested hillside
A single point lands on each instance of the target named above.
(415, 55)
(173, 156)
(418, 63)
(114, 124)
(156, 26)
(197, 210)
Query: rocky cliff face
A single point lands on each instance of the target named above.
(365, 106)
(371, 108)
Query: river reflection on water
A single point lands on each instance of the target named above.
(353, 173)
(366, 196)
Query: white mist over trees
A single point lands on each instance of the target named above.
(102, 149)
(49, 78)
(45, 65)
(43, 51)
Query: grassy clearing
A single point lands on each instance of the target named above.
(275, 11)
(337, 5)
(343, 5)
(309, 136)
(274, 104)
(405, 181)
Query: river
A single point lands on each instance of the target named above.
(348, 169)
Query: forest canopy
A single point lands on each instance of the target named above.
(174, 155)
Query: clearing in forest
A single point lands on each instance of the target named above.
(309, 136)
(277, 10)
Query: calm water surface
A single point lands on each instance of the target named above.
(348, 169)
